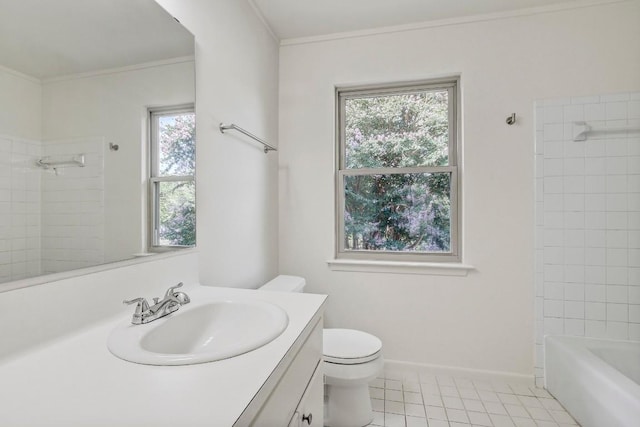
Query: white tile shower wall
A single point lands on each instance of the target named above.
(73, 206)
(19, 209)
(587, 219)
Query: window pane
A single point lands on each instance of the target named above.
(398, 212)
(177, 148)
(401, 130)
(177, 216)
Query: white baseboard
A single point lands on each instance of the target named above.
(399, 367)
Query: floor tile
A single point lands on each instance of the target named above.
(551, 404)
(520, 389)
(523, 422)
(452, 402)
(393, 407)
(501, 420)
(410, 397)
(495, 408)
(416, 422)
(540, 392)
(457, 415)
(378, 419)
(511, 399)
(414, 410)
(449, 391)
(516, 411)
(430, 388)
(539, 414)
(395, 395)
(473, 405)
(436, 412)
(377, 405)
(562, 417)
(501, 387)
(468, 393)
(419, 399)
(463, 383)
(432, 400)
(445, 380)
(413, 386)
(393, 384)
(529, 401)
(488, 396)
(479, 418)
(376, 393)
(377, 383)
(394, 420)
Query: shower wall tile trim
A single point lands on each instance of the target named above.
(50, 222)
(20, 208)
(587, 272)
(73, 207)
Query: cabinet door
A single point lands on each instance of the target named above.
(311, 408)
(295, 421)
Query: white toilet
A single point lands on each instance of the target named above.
(352, 359)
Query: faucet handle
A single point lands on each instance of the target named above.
(180, 297)
(143, 305)
(172, 289)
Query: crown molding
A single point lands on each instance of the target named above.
(264, 21)
(19, 74)
(106, 71)
(448, 22)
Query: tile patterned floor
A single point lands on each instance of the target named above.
(402, 399)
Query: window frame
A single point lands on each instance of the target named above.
(154, 180)
(452, 85)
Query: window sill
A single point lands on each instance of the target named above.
(427, 268)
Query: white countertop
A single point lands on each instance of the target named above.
(76, 381)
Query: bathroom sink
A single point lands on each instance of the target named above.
(201, 332)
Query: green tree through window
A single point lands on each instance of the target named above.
(397, 171)
(173, 181)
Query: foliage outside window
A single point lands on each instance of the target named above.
(397, 174)
(172, 178)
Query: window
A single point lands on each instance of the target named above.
(172, 178)
(397, 172)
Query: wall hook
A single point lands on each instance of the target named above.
(511, 119)
(113, 147)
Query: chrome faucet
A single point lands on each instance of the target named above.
(161, 307)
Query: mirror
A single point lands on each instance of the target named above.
(78, 80)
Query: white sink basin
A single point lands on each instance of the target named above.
(200, 332)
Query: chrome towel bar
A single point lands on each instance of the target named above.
(267, 147)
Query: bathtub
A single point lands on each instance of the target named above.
(597, 381)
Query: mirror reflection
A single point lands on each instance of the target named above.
(85, 86)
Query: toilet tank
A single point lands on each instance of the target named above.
(285, 284)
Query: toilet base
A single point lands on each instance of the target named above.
(348, 406)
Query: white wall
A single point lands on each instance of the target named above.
(113, 106)
(20, 104)
(484, 320)
(587, 220)
(237, 186)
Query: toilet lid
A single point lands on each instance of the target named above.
(350, 347)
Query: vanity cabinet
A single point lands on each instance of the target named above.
(311, 407)
(297, 398)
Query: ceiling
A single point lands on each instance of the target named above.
(306, 18)
(45, 38)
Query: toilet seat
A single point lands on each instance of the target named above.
(350, 347)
